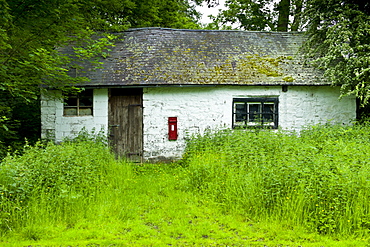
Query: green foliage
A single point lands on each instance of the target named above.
(30, 32)
(258, 15)
(163, 13)
(72, 169)
(99, 137)
(28, 57)
(20, 122)
(243, 188)
(319, 179)
(339, 38)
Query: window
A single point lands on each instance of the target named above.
(80, 104)
(255, 112)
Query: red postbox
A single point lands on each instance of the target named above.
(172, 128)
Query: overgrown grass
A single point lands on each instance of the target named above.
(237, 188)
(319, 180)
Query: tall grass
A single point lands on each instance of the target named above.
(319, 179)
(50, 185)
(77, 193)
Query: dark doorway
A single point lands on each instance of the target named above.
(126, 122)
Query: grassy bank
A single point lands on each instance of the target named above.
(242, 189)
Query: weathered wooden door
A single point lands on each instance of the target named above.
(126, 122)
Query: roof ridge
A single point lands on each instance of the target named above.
(204, 30)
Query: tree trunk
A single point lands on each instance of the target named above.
(283, 19)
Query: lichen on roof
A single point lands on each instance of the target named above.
(157, 56)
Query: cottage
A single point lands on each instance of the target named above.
(159, 86)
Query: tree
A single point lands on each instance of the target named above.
(338, 33)
(163, 13)
(31, 32)
(258, 15)
(339, 41)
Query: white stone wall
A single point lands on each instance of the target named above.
(56, 126)
(199, 108)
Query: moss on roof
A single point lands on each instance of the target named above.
(161, 56)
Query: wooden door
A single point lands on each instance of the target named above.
(126, 122)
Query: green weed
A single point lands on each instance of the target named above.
(319, 179)
(240, 188)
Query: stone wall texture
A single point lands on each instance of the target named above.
(198, 109)
(56, 127)
(201, 108)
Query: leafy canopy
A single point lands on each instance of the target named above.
(31, 31)
(258, 15)
(339, 40)
(338, 34)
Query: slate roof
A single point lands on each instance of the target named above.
(162, 56)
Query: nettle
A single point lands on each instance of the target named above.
(70, 170)
(319, 179)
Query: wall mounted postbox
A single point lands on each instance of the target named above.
(172, 128)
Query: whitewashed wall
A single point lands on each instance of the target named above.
(56, 126)
(199, 108)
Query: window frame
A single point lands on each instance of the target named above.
(249, 117)
(81, 99)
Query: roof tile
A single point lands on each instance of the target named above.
(157, 56)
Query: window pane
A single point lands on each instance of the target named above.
(268, 110)
(71, 101)
(85, 111)
(254, 110)
(86, 101)
(70, 111)
(240, 112)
